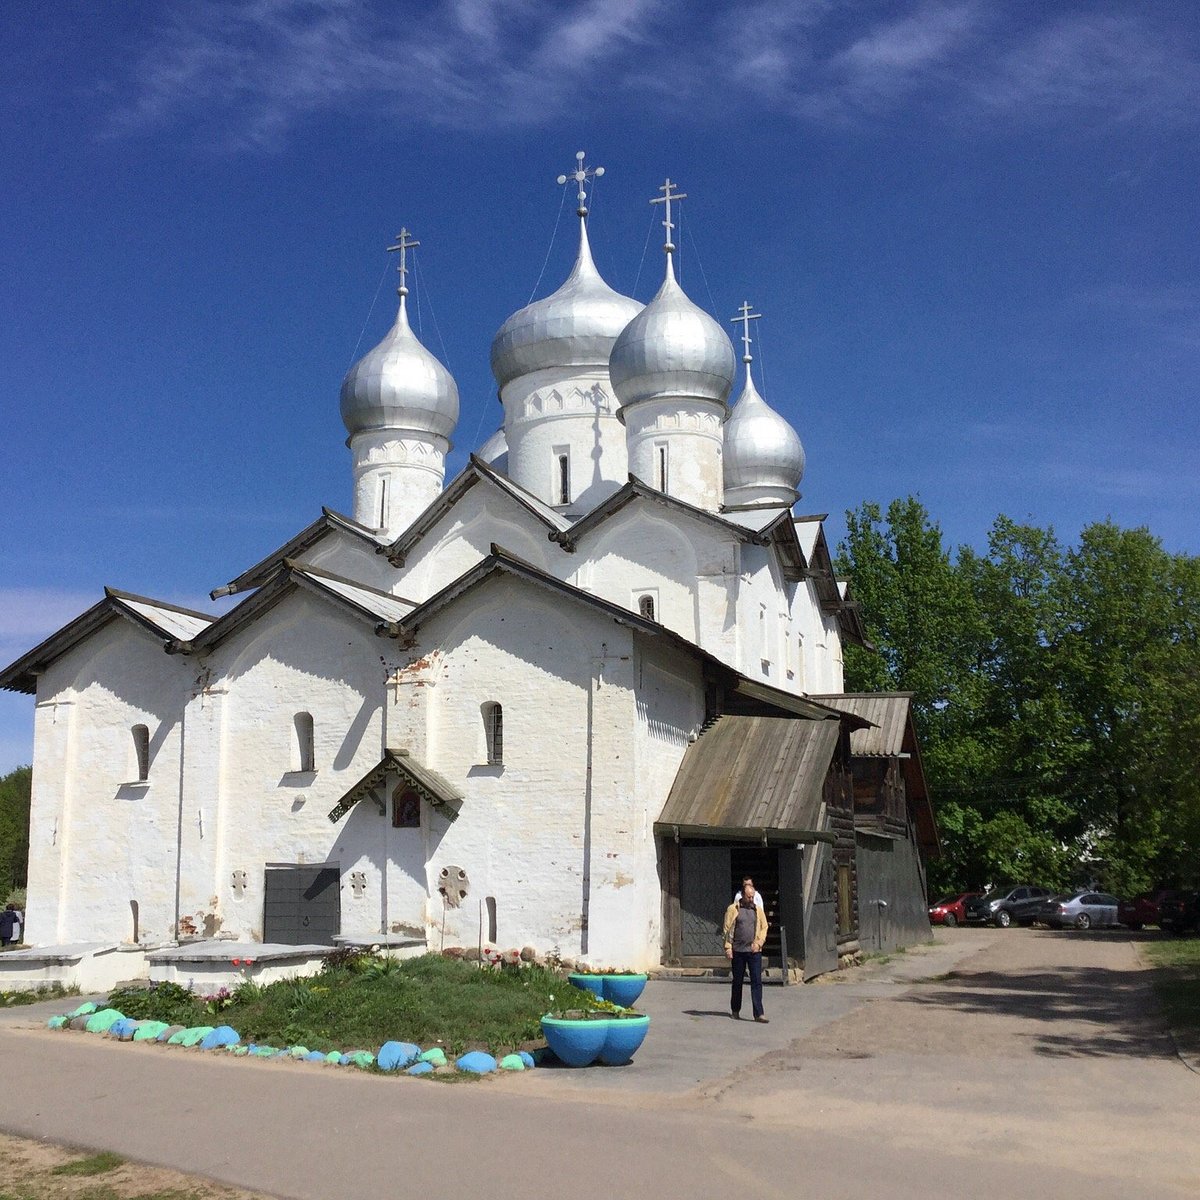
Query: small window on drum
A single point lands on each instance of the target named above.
(406, 809)
(646, 607)
(306, 753)
(493, 732)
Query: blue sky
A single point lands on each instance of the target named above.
(971, 227)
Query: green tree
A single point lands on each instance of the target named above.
(14, 829)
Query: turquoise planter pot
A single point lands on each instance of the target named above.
(617, 989)
(580, 1043)
(625, 1035)
(576, 1043)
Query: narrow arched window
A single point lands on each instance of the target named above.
(662, 465)
(646, 607)
(305, 748)
(493, 732)
(141, 752)
(564, 479)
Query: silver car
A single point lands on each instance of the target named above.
(1079, 910)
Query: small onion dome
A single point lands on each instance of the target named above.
(763, 458)
(672, 350)
(399, 385)
(495, 450)
(574, 327)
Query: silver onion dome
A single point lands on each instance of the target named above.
(574, 327)
(495, 450)
(763, 457)
(671, 350)
(399, 385)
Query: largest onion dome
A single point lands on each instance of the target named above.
(763, 457)
(574, 327)
(671, 350)
(400, 385)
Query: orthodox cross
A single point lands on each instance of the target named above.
(668, 194)
(404, 243)
(581, 175)
(744, 317)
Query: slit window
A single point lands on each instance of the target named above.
(305, 747)
(141, 752)
(564, 479)
(661, 459)
(493, 731)
(383, 503)
(646, 607)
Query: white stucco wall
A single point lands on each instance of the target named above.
(100, 839)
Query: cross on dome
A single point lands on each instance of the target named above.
(404, 243)
(581, 175)
(744, 317)
(668, 194)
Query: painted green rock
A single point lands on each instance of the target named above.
(437, 1056)
(264, 1051)
(298, 1051)
(103, 1020)
(84, 1010)
(361, 1058)
(239, 1050)
(334, 1057)
(511, 1062)
(148, 1031)
(57, 1022)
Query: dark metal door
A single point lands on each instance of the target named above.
(704, 895)
(302, 905)
(820, 912)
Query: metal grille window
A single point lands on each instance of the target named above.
(141, 752)
(493, 729)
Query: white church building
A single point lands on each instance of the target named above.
(564, 700)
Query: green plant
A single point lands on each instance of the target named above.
(160, 1002)
(51, 991)
(93, 1164)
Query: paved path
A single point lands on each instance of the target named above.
(1028, 1064)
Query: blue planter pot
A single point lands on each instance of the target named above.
(576, 1043)
(625, 1035)
(589, 983)
(618, 989)
(623, 989)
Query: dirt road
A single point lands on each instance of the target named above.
(1030, 1064)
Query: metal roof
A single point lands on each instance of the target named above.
(888, 713)
(753, 778)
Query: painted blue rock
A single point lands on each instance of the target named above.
(421, 1068)
(526, 1058)
(393, 1055)
(344, 1059)
(314, 1056)
(223, 1035)
(477, 1063)
(124, 1030)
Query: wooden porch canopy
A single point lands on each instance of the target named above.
(429, 785)
(753, 778)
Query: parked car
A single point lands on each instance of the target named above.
(1180, 913)
(1143, 909)
(951, 910)
(1080, 909)
(1007, 905)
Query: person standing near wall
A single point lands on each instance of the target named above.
(8, 925)
(745, 933)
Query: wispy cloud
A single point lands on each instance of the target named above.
(246, 72)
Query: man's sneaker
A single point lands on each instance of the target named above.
(736, 1016)
(763, 1020)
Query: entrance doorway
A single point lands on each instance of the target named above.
(302, 905)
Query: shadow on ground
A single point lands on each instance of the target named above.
(1076, 1010)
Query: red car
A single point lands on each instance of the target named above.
(1142, 909)
(951, 910)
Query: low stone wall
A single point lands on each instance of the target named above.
(88, 966)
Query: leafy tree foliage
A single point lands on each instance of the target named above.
(14, 829)
(1056, 691)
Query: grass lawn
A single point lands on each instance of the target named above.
(1177, 981)
(360, 1003)
(34, 1170)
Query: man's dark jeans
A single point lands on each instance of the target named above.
(741, 960)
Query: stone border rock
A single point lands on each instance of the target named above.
(392, 1056)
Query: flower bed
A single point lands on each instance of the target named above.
(617, 987)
